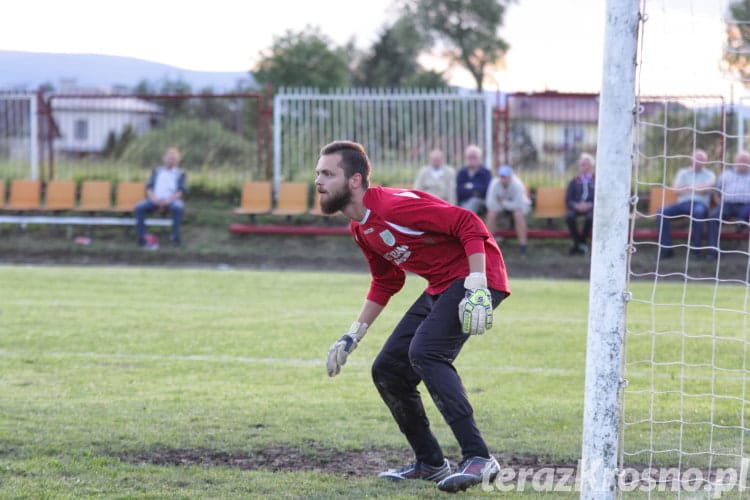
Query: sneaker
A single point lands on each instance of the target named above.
(471, 471)
(419, 470)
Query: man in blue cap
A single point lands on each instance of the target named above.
(506, 195)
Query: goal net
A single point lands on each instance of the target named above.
(685, 405)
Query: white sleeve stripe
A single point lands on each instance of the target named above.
(405, 230)
(407, 194)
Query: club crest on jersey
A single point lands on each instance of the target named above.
(388, 237)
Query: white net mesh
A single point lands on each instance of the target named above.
(685, 406)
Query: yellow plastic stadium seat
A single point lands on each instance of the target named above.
(256, 198)
(550, 202)
(95, 196)
(61, 195)
(24, 195)
(293, 198)
(660, 197)
(128, 195)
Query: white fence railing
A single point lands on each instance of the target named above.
(397, 128)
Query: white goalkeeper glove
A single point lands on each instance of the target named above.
(475, 310)
(340, 349)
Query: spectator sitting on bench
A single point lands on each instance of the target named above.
(164, 190)
(472, 181)
(507, 195)
(579, 199)
(733, 189)
(437, 178)
(693, 186)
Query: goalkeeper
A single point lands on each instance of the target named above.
(404, 230)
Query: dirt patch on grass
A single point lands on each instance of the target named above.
(276, 459)
(359, 463)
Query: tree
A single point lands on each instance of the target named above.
(392, 60)
(737, 54)
(306, 58)
(203, 143)
(116, 146)
(468, 28)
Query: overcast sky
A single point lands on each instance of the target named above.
(555, 44)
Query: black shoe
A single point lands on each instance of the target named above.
(419, 471)
(471, 472)
(574, 250)
(667, 253)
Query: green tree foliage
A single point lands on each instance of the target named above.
(202, 143)
(171, 107)
(468, 30)
(304, 58)
(116, 145)
(235, 114)
(737, 54)
(392, 60)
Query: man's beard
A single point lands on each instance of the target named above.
(335, 202)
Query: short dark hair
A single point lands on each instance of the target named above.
(354, 160)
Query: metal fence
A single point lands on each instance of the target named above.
(227, 139)
(224, 138)
(397, 127)
(19, 134)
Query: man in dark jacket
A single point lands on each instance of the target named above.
(472, 182)
(579, 198)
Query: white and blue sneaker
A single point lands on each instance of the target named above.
(471, 471)
(419, 470)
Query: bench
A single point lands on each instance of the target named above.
(27, 220)
(293, 199)
(26, 196)
(256, 199)
(550, 203)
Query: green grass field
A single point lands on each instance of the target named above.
(114, 379)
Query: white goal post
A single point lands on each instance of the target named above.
(608, 282)
(667, 389)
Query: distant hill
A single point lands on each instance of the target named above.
(28, 70)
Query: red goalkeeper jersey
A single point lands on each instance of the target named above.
(413, 231)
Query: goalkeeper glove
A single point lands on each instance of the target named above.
(340, 349)
(475, 310)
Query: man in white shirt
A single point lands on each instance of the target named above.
(164, 190)
(733, 189)
(693, 186)
(437, 178)
(507, 195)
